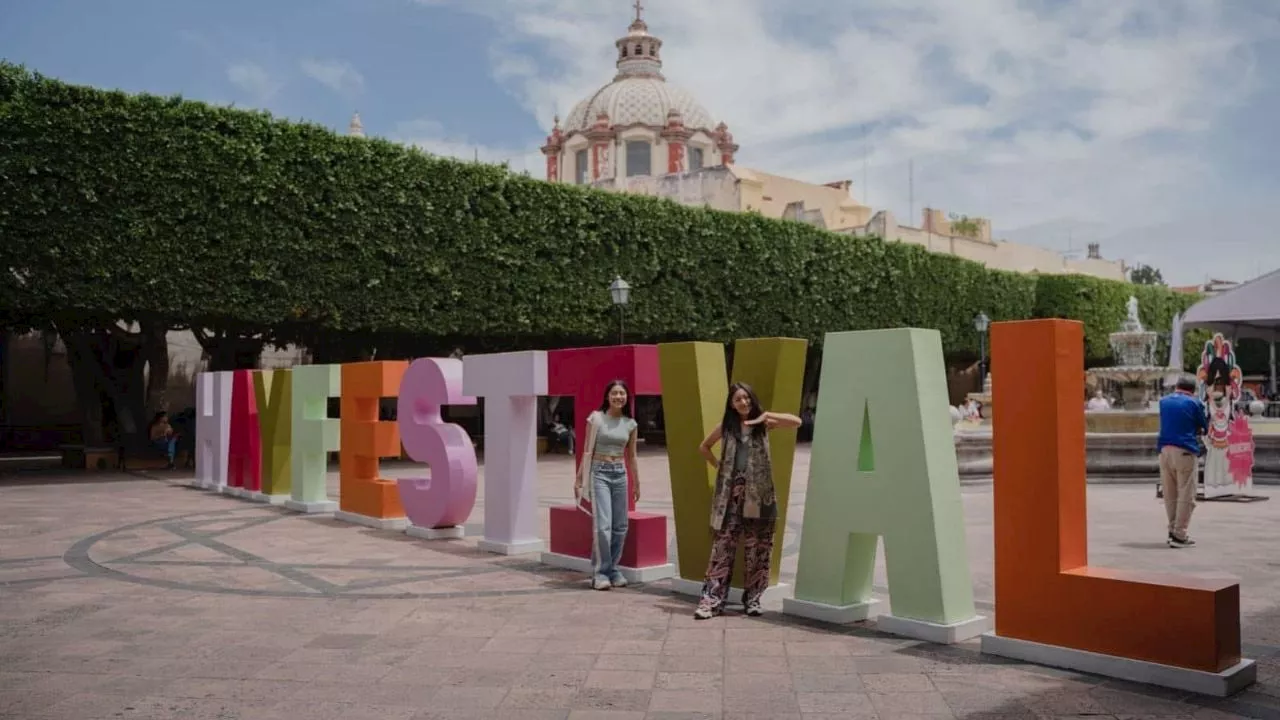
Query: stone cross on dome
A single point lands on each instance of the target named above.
(639, 10)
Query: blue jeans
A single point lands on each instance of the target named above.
(609, 512)
(169, 446)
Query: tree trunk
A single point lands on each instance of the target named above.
(155, 344)
(82, 356)
(812, 372)
(229, 351)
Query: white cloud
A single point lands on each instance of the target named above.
(254, 80)
(1025, 111)
(430, 136)
(337, 75)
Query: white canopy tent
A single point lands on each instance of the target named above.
(1251, 310)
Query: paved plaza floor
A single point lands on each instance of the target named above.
(132, 596)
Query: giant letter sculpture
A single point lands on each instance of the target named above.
(439, 505)
(365, 497)
(693, 400)
(582, 373)
(884, 465)
(1052, 607)
(213, 428)
(510, 384)
(315, 435)
(272, 390)
(244, 449)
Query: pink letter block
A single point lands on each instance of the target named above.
(446, 498)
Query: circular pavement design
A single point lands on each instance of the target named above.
(158, 553)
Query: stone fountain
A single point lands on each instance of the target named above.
(983, 399)
(1136, 370)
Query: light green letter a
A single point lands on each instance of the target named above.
(883, 464)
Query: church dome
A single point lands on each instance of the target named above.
(639, 101)
(639, 94)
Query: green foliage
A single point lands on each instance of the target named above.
(1145, 275)
(131, 206)
(965, 226)
(1101, 306)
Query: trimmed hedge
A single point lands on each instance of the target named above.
(127, 206)
(1102, 306)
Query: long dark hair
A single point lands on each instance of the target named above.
(604, 402)
(732, 421)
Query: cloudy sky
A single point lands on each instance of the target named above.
(1147, 125)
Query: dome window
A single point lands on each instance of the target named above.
(695, 158)
(624, 51)
(639, 158)
(639, 49)
(580, 167)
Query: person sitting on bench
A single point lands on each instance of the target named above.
(162, 436)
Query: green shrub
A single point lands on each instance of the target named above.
(123, 206)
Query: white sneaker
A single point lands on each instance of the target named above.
(704, 613)
(601, 584)
(619, 581)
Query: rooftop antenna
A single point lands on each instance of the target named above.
(866, 188)
(911, 187)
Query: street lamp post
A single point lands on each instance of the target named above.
(620, 292)
(982, 323)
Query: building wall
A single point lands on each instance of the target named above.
(995, 254)
(715, 188)
(772, 194)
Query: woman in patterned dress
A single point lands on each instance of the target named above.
(743, 508)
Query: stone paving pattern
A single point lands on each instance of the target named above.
(131, 596)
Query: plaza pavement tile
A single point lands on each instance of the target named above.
(132, 596)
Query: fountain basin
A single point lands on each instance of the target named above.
(1122, 421)
(1120, 455)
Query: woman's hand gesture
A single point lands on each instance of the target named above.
(769, 421)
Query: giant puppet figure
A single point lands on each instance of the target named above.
(1219, 378)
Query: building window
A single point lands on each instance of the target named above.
(639, 50)
(580, 167)
(695, 158)
(638, 162)
(653, 49)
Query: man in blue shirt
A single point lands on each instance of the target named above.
(1182, 422)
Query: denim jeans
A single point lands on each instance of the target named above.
(169, 446)
(609, 513)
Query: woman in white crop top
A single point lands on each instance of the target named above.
(609, 455)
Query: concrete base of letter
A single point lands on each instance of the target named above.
(516, 548)
(942, 634)
(1220, 684)
(313, 507)
(377, 523)
(647, 574)
(693, 588)
(834, 614)
(270, 499)
(454, 532)
(233, 491)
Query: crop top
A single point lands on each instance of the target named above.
(612, 433)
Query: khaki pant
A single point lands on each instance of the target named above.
(1178, 477)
